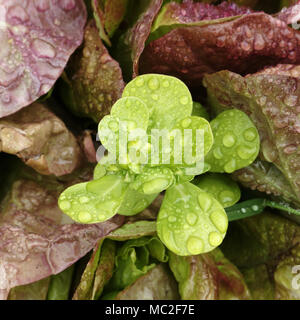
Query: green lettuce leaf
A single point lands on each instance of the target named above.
(33, 291)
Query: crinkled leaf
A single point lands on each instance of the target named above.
(243, 45)
(37, 240)
(41, 140)
(37, 37)
(134, 259)
(60, 285)
(208, 276)
(132, 44)
(271, 102)
(93, 80)
(265, 177)
(157, 284)
(266, 242)
(33, 291)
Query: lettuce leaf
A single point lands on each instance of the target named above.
(208, 276)
(266, 249)
(37, 38)
(270, 99)
(157, 284)
(36, 239)
(93, 81)
(241, 43)
(41, 140)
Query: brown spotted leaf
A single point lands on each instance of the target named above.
(37, 39)
(93, 81)
(41, 140)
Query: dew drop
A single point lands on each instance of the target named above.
(250, 134)
(230, 166)
(194, 245)
(218, 153)
(154, 97)
(41, 5)
(83, 200)
(139, 82)
(184, 100)
(166, 84)
(43, 49)
(204, 202)
(219, 219)
(65, 205)
(67, 4)
(214, 239)
(245, 153)
(186, 122)
(229, 140)
(153, 84)
(155, 186)
(172, 219)
(113, 125)
(226, 196)
(191, 219)
(84, 217)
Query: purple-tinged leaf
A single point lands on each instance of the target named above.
(243, 44)
(272, 102)
(37, 39)
(93, 81)
(41, 140)
(36, 239)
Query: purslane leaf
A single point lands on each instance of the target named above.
(38, 38)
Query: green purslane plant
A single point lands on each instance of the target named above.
(192, 219)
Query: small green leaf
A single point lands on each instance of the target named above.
(135, 202)
(191, 221)
(236, 142)
(153, 180)
(167, 98)
(225, 190)
(200, 111)
(94, 201)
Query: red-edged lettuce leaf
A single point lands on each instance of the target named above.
(41, 140)
(36, 239)
(266, 248)
(157, 284)
(93, 80)
(132, 44)
(37, 39)
(208, 277)
(291, 14)
(243, 44)
(272, 102)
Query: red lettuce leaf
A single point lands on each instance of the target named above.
(36, 239)
(272, 102)
(37, 39)
(132, 44)
(93, 80)
(243, 44)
